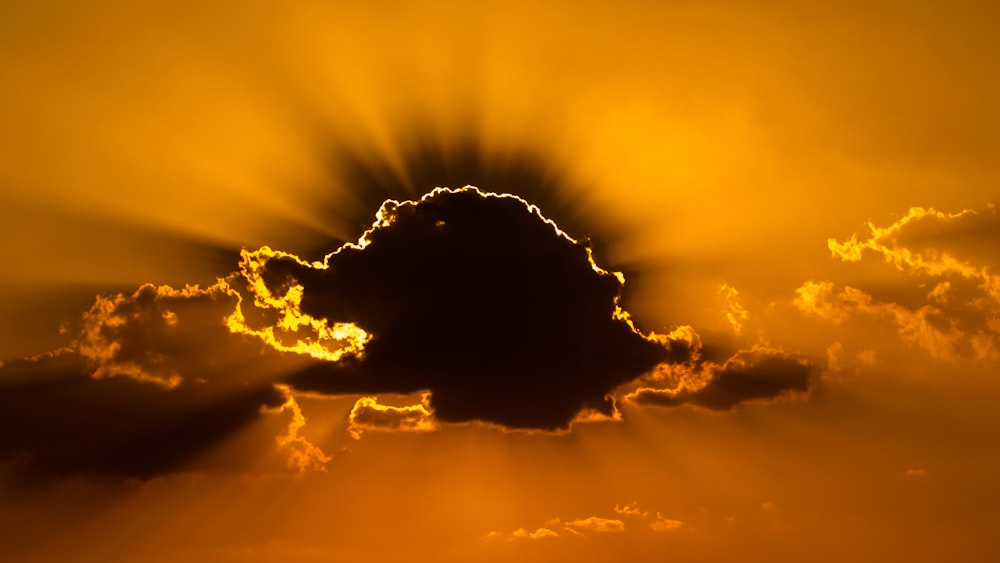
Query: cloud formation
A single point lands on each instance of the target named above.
(473, 300)
(759, 373)
(946, 299)
(627, 517)
(56, 417)
(150, 381)
(369, 415)
(480, 300)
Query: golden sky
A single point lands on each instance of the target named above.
(802, 364)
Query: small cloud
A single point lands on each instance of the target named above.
(666, 525)
(915, 473)
(736, 314)
(631, 509)
(596, 524)
(758, 374)
(768, 507)
(813, 298)
(538, 534)
(867, 357)
(368, 415)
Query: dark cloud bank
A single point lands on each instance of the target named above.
(481, 301)
(474, 297)
(149, 382)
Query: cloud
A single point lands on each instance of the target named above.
(596, 524)
(478, 299)
(57, 418)
(934, 243)
(946, 299)
(631, 509)
(556, 528)
(756, 374)
(473, 299)
(149, 381)
(303, 454)
(587, 527)
(736, 314)
(930, 326)
(368, 415)
(540, 533)
(666, 525)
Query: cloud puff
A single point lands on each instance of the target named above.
(756, 374)
(540, 533)
(591, 525)
(666, 525)
(369, 415)
(596, 524)
(556, 528)
(480, 300)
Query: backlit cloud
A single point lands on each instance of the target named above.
(56, 417)
(474, 300)
(596, 524)
(626, 518)
(666, 525)
(760, 373)
(480, 300)
(151, 380)
(369, 415)
(946, 296)
(924, 241)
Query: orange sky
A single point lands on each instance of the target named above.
(722, 155)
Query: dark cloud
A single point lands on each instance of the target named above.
(749, 375)
(423, 157)
(369, 415)
(473, 298)
(481, 301)
(151, 380)
(55, 417)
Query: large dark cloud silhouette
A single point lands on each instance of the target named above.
(363, 176)
(472, 296)
(480, 300)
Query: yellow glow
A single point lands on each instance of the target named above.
(717, 141)
(882, 241)
(345, 338)
(369, 415)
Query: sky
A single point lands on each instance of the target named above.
(725, 285)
